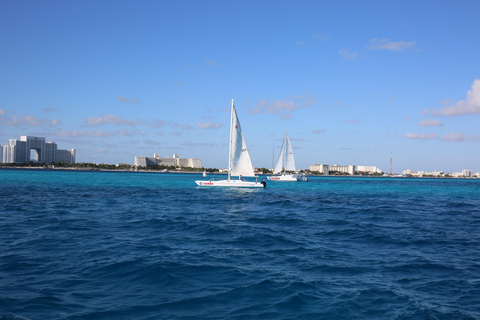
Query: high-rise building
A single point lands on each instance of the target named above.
(34, 149)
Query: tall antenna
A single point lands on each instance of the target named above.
(390, 163)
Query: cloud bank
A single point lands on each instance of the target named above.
(286, 106)
(421, 136)
(387, 44)
(430, 123)
(108, 119)
(208, 125)
(471, 105)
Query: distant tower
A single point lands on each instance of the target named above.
(390, 163)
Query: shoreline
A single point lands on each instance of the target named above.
(216, 173)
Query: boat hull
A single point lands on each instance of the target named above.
(230, 183)
(288, 177)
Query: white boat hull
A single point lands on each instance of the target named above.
(288, 177)
(230, 183)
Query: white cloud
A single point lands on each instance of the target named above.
(108, 119)
(421, 136)
(186, 126)
(353, 121)
(155, 123)
(51, 109)
(286, 116)
(151, 142)
(321, 37)
(31, 120)
(455, 137)
(290, 104)
(347, 54)
(212, 63)
(2, 112)
(54, 122)
(176, 133)
(430, 123)
(471, 105)
(208, 125)
(392, 99)
(124, 132)
(27, 120)
(81, 133)
(387, 44)
(128, 100)
(318, 131)
(193, 144)
(301, 43)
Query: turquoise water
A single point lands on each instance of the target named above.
(126, 245)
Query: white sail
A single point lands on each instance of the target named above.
(286, 162)
(285, 158)
(240, 163)
(289, 160)
(279, 165)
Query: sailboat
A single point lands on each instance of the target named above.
(286, 163)
(239, 163)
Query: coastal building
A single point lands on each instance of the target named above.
(326, 169)
(34, 149)
(168, 162)
(322, 168)
(343, 169)
(467, 173)
(368, 169)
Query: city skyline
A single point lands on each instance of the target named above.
(352, 83)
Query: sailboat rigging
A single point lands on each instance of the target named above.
(285, 164)
(239, 163)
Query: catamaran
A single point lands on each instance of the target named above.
(286, 163)
(239, 163)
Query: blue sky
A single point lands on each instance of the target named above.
(350, 81)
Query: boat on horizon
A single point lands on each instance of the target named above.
(285, 164)
(239, 162)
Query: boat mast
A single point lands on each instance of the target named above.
(273, 156)
(230, 144)
(285, 153)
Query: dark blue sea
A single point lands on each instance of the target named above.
(131, 245)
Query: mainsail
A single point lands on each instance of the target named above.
(289, 160)
(279, 165)
(240, 163)
(285, 158)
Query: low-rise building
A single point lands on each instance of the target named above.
(322, 168)
(467, 173)
(326, 169)
(168, 162)
(368, 169)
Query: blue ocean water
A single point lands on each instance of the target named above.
(126, 245)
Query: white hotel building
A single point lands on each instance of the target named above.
(34, 149)
(350, 169)
(174, 162)
(325, 168)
